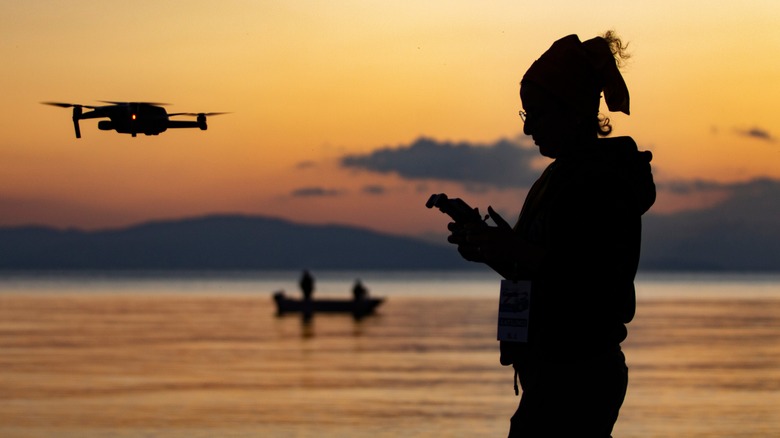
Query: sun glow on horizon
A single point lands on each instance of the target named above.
(309, 83)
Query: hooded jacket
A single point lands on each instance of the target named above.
(585, 212)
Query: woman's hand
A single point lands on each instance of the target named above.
(484, 244)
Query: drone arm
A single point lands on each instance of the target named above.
(200, 123)
(182, 124)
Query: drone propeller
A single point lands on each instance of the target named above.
(77, 111)
(134, 103)
(68, 105)
(196, 114)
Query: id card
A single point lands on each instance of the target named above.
(514, 306)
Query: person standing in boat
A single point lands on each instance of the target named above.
(359, 292)
(359, 296)
(307, 285)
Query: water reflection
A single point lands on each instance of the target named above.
(154, 362)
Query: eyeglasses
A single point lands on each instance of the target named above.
(523, 115)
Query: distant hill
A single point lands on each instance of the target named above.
(739, 234)
(219, 243)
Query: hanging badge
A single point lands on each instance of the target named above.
(513, 309)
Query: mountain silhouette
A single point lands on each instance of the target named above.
(739, 234)
(219, 243)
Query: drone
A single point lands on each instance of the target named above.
(133, 117)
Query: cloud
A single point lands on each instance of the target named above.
(681, 187)
(758, 198)
(374, 189)
(501, 164)
(304, 192)
(757, 133)
(752, 196)
(307, 164)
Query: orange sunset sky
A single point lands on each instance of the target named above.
(309, 83)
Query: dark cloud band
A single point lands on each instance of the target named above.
(502, 164)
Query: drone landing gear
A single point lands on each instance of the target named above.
(76, 116)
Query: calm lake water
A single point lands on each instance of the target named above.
(204, 356)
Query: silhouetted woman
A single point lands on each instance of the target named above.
(577, 240)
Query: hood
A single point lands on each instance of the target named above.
(632, 168)
(619, 159)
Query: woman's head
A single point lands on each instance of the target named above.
(567, 81)
(553, 123)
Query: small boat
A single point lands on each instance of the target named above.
(362, 307)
